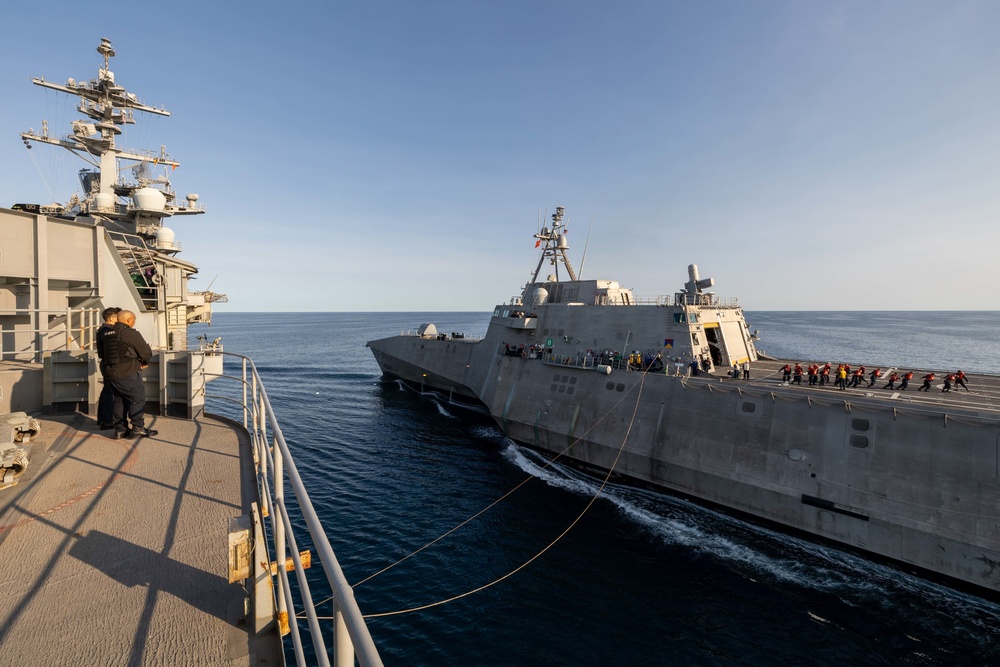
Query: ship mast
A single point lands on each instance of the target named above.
(108, 106)
(556, 246)
(122, 203)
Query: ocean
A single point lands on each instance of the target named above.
(640, 578)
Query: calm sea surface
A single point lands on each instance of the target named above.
(642, 578)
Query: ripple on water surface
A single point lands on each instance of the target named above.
(642, 578)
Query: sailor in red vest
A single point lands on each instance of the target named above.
(824, 375)
(960, 381)
(948, 379)
(875, 375)
(892, 381)
(813, 372)
(926, 386)
(906, 380)
(786, 373)
(798, 373)
(857, 377)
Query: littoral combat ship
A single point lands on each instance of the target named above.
(584, 370)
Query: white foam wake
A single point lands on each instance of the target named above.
(753, 550)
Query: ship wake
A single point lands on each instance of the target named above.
(758, 553)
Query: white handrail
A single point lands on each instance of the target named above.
(259, 415)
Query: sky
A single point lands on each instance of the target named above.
(397, 156)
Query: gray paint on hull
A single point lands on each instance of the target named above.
(928, 485)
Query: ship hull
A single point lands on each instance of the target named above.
(914, 485)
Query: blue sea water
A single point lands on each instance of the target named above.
(642, 578)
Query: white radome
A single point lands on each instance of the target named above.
(149, 199)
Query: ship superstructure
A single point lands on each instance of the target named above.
(648, 388)
(107, 245)
(90, 522)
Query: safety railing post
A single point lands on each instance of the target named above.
(279, 530)
(352, 640)
(260, 423)
(36, 329)
(245, 391)
(343, 649)
(260, 441)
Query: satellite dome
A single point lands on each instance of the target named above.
(104, 201)
(540, 296)
(149, 199)
(165, 238)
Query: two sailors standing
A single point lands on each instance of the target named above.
(124, 353)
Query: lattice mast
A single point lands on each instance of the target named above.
(556, 246)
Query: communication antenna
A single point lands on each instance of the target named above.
(586, 245)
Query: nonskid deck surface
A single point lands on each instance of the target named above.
(114, 551)
(983, 394)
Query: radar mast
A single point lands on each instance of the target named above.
(556, 246)
(108, 106)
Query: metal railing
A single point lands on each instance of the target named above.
(662, 300)
(460, 338)
(275, 466)
(27, 333)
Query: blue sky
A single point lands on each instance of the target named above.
(397, 155)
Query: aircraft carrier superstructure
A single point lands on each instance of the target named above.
(171, 548)
(585, 370)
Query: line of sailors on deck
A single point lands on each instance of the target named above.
(820, 376)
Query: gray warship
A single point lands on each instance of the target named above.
(601, 379)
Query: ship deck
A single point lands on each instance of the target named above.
(113, 552)
(983, 394)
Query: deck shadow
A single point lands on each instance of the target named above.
(133, 565)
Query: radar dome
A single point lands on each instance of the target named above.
(149, 199)
(427, 330)
(104, 201)
(165, 238)
(540, 296)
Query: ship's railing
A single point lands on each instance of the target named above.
(589, 361)
(275, 467)
(708, 300)
(688, 300)
(460, 338)
(662, 300)
(27, 333)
